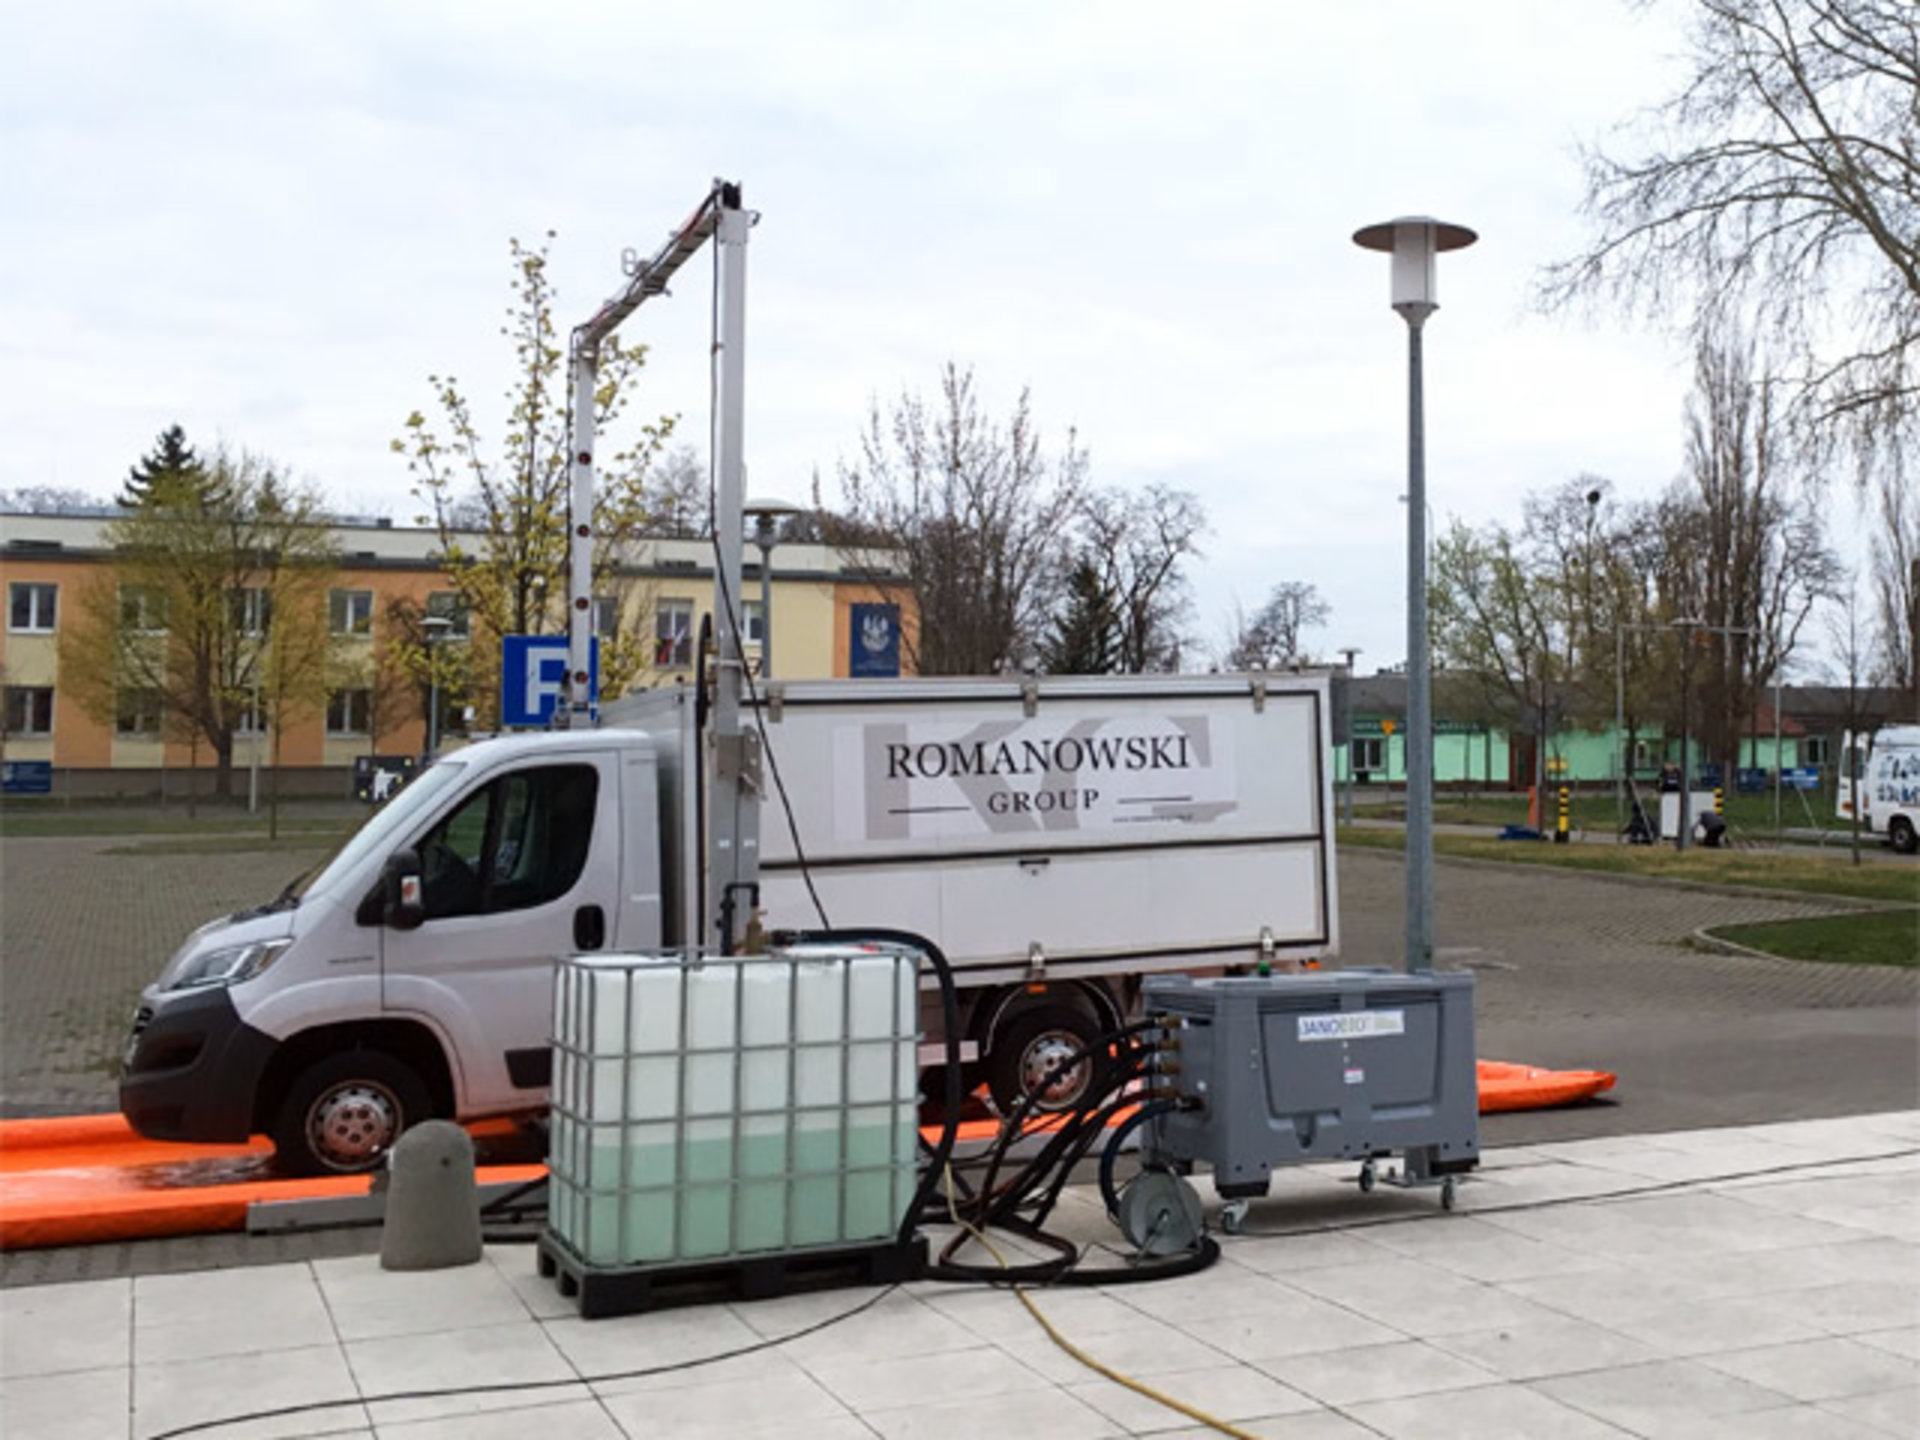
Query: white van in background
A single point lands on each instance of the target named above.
(1888, 767)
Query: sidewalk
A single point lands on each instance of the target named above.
(1754, 1282)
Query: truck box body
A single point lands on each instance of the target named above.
(1057, 826)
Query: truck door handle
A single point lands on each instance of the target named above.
(589, 928)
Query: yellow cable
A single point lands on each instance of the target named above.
(1137, 1386)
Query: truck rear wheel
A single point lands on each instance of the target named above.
(1900, 835)
(341, 1115)
(1025, 1055)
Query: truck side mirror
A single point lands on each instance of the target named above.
(404, 905)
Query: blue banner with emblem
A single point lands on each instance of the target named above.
(27, 777)
(873, 648)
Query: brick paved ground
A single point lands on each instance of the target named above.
(84, 923)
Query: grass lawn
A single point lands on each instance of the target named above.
(1805, 873)
(1878, 937)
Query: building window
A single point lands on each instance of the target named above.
(348, 712)
(350, 612)
(142, 610)
(252, 610)
(137, 712)
(447, 605)
(753, 623)
(1814, 750)
(673, 634)
(1642, 754)
(251, 719)
(31, 606)
(606, 616)
(1369, 754)
(30, 709)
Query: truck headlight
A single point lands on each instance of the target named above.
(229, 966)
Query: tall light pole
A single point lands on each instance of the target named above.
(1348, 652)
(436, 628)
(766, 516)
(1413, 242)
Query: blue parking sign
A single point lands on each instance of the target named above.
(533, 673)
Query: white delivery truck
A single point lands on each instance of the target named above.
(1057, 838)
(1887, 765)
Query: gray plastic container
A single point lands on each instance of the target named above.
(1287, 1069)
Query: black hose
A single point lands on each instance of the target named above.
(1118, 1138)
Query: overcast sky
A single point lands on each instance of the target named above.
(270, 223)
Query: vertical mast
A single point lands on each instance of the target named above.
(733, 815)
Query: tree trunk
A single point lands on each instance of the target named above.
(223, 769)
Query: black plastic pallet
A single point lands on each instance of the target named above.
(603, 1291)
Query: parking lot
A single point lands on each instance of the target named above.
(1573, 971)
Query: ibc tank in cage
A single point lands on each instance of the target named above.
(710, 1109)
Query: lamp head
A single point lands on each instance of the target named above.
(1413, 241)
(766, 515)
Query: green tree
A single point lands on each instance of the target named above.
(417, 670)
(1085, 636)
(170, 473)
(186, 617)
(1498, 613)
(503, 515)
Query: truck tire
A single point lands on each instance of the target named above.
(1027, 1046)
(341, 1115)
(1900, 835)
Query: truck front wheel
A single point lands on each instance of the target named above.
(1026, 1054)
(342, 1114)
(1900, 835)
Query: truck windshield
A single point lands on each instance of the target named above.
(374, 835)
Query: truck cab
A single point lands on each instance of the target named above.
(411, 974)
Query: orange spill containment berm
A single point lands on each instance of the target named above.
(85, 1179)
(1505, 1086)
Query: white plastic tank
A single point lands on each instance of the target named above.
(720, 1106)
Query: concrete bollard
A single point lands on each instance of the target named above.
(433, 1205)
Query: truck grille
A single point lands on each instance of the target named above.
(141, 1019)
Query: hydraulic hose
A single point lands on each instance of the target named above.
(1117, 1139)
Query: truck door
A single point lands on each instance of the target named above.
(526, 869)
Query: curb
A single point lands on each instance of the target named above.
(1713, 944)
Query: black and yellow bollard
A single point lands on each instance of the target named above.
(1720, 800)
(1560, 828)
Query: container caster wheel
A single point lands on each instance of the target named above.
(1366, 1178)
(1233, 1216)
(1449, 1193)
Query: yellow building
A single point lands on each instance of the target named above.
(47, 563)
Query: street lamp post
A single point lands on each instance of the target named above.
(1348, 652)
(436, 628)
(766, 516)
(1413, 242)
